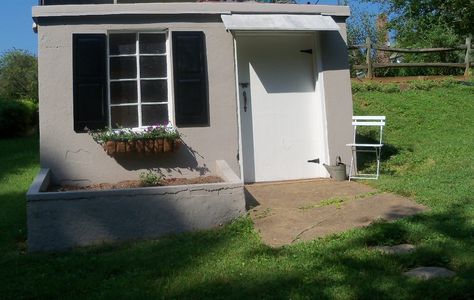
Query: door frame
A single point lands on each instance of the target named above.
(323, 147)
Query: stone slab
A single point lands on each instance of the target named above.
(426, 273)
(397, 249)
(288, 212)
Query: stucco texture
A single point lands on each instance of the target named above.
(76, 158)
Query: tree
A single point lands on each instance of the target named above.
(419, 15)
(429, 23)
(18, 75)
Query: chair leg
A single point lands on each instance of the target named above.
(377, 153)
(352, 163)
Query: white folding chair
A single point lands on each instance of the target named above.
(356, 147)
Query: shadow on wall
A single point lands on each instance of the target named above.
(285, 72)
(334, 52)
(280, 65)
(83, 222)
(185, 158)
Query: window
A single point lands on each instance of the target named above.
(122, 79)
(138, 79)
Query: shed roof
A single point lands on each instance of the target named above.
(187, 8)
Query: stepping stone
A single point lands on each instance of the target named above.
(397, 249)
(427, 273)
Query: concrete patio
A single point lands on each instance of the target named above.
(289, 212)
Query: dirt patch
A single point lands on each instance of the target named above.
(130, 184)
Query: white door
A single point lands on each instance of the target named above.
(280, 121)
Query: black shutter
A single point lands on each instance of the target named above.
(90, 81)
(190, 78)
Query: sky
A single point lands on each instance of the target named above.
(16, 24)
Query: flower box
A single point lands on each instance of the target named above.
(151, 146)
(151, 140)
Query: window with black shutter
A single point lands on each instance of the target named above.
(90, 81)
(190, 79)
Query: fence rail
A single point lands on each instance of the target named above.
(370, 66)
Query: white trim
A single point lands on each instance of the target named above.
(155, 78)
(139, 86)
(109, 109)
(143, 79)
(124, 104)
(170, 78)
(324, 148)
(153, 54)
(239, 123)
(122, 55)
(123, 80)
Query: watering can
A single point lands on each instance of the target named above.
(337, 172)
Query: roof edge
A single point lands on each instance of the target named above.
(185, 8)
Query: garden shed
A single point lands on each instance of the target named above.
(256, 90)
(264, 87)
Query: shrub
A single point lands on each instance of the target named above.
(18, 75)
(423, 85)
(17, 117)
(150, 178)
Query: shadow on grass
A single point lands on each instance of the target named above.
(367, 161)
(231, 263)
(344, 266)
(18, 154)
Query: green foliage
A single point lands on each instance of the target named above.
(126, 134)
(417, 15)
(433, 163)
(150, 178)
(18, 75)
(428, 24)
(421, 85)
(17, 117)
(360, 25)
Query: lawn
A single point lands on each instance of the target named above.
(429, 157)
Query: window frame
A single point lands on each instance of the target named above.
(169, 76)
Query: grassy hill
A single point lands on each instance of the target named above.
(429, 157)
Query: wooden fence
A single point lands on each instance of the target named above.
(370, 65)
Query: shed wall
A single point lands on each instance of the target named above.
(76, 158)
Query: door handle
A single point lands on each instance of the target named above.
(245, 101)
(244, 85)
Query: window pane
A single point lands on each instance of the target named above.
(152, 66)
(123, 67)
(154, 114)
(122, 43)
(152, 43)
(154, 90)
(124, 116)
(123, 92)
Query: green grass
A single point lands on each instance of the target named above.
(430, 142)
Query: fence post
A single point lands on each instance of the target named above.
(467, 60)
(370, 73)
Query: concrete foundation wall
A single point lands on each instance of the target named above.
(62, 220)
(75, 158)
